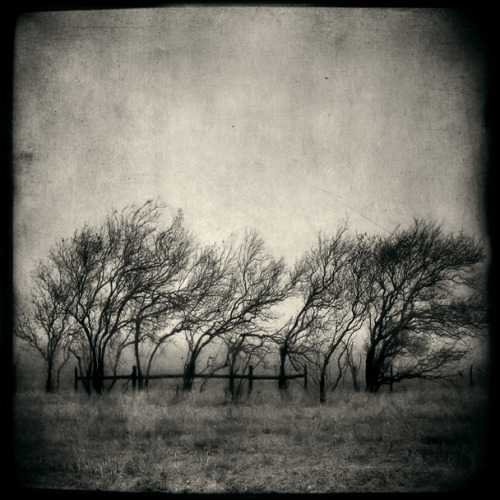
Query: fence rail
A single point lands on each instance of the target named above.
(133, 377)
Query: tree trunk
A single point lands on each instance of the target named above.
(322, 387)
(354, 368)
(372, 371)
(49, 384)
(137, 357)
(150, 364)
(138, 365)
(96, 382)
(85, 377)
(87, 381)
(282, 381)
(231, 382)
(354, 375)
(96, 376)
(189, 373)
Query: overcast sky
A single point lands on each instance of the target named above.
(286, 120)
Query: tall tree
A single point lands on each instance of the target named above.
(423, 308)
(243, 285)
(317, 288)
(243, 349)
(152, 308)
(353, 365)
(107, 270)
(346, 306)
(200, 280)
(44, 323)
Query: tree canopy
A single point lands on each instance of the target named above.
(412, 299)
(423, 303)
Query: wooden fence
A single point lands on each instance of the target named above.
(134, 378)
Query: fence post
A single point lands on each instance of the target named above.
(471, 381)
(390, 384)
(250, 379)
(305, 376)
(76, 379)
(231, 381)
(134, 378)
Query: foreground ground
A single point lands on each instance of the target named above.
(430, 438)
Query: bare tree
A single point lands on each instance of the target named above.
(107, 269)
(353, 366)
(331, 374)
(243, 349)
(166, 293)
(200, 283)
(321, 281)
(44, 323)
(346, 305)
(78, 348)
(242, 285)
(422, 306)
(117, 346)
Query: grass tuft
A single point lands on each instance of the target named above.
(432, 440)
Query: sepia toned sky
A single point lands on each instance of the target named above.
(289, 120)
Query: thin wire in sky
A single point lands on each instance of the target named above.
(349, 207)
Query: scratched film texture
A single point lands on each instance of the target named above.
(287, 120)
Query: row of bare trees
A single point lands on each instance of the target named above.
(413, 299)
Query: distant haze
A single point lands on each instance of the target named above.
(289, 120)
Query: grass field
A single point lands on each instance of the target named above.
(425, 439)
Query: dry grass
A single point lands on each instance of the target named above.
(428, 439)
